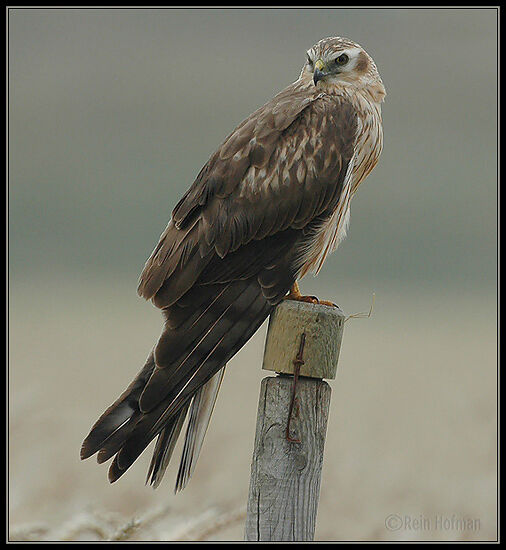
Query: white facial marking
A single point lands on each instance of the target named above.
(352, 54)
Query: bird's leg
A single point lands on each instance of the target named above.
(296, 295)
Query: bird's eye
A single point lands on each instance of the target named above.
(342, 59)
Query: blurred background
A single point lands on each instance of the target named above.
(112, 113)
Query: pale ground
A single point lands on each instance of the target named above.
(412, 427)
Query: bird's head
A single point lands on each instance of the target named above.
(339, 61)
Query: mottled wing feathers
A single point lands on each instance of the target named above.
(250, 144)
(281, 168)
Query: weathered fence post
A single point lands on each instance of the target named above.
(303, 341)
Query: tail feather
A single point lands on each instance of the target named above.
(200, 415)
(201, 334)
(228, 337)
(165, 447)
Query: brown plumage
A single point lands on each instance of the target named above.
(268, 206)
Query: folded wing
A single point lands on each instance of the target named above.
(231, 251)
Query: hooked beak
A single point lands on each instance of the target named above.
(318, 75)
(319, 72)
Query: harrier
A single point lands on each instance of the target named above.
(268, 207)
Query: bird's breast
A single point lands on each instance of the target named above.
(368, 147)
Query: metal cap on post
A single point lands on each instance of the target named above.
(302, 339)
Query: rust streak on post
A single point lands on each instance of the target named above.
(298, 362)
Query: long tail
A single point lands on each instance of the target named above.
(200, 415)
(165, 446)
(201, 409)
(202, 332)
(119, 420)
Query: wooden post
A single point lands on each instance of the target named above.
(302, 339)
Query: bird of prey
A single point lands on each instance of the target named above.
(268, 207)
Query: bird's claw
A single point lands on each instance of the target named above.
(295, 294)
(327, 303)
(300, 298)
(310, 300)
